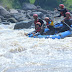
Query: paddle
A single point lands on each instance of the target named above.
(67, 25)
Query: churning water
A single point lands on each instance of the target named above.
(19, 53)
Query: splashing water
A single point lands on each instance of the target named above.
(19, 53)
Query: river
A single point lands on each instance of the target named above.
(19, 53)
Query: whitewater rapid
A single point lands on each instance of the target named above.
(19, 53)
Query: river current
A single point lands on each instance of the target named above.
(19, 53)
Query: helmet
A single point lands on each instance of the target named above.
(67, 13)
(61, 5)
(47, 18)
(38, 23)
(35, 15)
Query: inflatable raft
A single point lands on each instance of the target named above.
(55, 36)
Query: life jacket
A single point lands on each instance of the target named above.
(49, 23)
(52, 24)
(38, 29)
(63, 12)
(67, 20)
(35, 23)
(39, 20)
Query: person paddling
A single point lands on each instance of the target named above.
(49, 22)
(62, 11)
(35, 16)
(49, 26)
(38, 29)
(67, 22)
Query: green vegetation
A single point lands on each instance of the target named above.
(10, 3)
(46, 4)
(68, 4)
(32, 1)
(6, 3)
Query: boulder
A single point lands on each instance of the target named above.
(42, 10)
(13, 11)
(23, 24)
(28, 14)
(40, 14)
(19, 16)
(21, 11)
(12, 20)
(38, 7)
(5, 23)
(28, 6)
(3, 11)
(0, 20)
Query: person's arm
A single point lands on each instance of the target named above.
(58, 16)
(61, 9)
(41, 21)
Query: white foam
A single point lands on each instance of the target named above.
(19, 53)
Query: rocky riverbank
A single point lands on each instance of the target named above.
(23, 18)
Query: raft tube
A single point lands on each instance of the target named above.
(56, 36)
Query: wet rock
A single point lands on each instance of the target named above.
(38, 7)
(13, 11)
(47, 15)
(7, 16)
(28, 14)
(21, 11)
(4, 19)
(23, 24)
(3, 11)
(12, 20)
(5, 23)
(42, 10)
(28, 6)
(0, 20)
(19, 16)
(40, 14)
